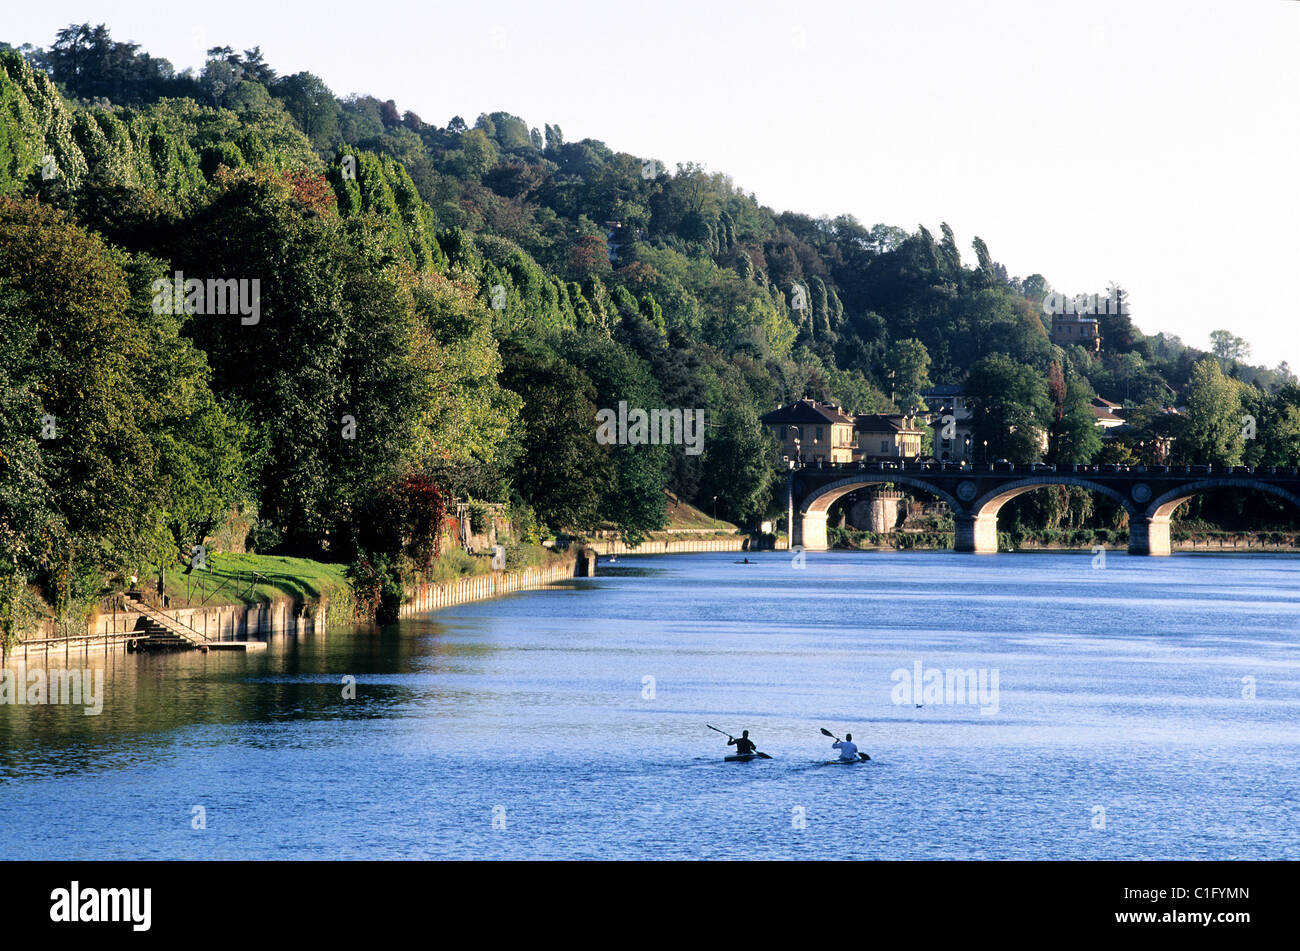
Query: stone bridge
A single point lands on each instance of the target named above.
(975, 493)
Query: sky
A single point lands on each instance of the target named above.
(1152, 143)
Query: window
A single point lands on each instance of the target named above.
(884, 445)
(819, 432)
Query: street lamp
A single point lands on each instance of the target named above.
(986, 452)
(715, 508)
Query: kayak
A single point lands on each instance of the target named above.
(740, 757)
(845, 762)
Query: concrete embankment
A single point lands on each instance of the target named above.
(117, 629)
(432, 596)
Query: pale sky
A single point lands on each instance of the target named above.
(1155, 144)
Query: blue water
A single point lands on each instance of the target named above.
(525, 728)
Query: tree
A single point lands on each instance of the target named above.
(559, 470)
(1011, 409)
(1214, 418)
(1228, 346)
(909, 364)
(1073, 437)
(1277, 442)
(633, 499)
(738, 458)
(312, 105)
(131, 442)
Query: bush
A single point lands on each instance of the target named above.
(20, 609)
(480, 517)
(527, 527)
(378, 587)
(263, 537)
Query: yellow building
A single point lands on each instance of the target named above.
(810, 431)
(880, 436)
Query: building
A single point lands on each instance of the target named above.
(1076, 330)
(810, 431)
(881, 436)
(1108, 415)
(951, 422)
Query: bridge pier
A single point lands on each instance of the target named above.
(1148, 535)
(975, 533)
(811, 532)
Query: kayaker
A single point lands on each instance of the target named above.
(743, 743)
(848, 749)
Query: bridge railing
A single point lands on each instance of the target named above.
(937, 466)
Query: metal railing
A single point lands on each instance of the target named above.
(243, 583)
(163, 619)
(914, 465)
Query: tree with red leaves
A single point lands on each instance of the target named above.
(420, 507)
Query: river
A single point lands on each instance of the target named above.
(1147, 708)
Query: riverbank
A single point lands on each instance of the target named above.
(434, 595)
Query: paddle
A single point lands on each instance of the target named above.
(730, 737)
(826, 732)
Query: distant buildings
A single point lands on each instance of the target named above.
(1108, 415)
(951, 421)
(1076, 330)
(886, 437)
(810, 431)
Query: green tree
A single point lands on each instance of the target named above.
(1214, 432)
(560, 470)
(1228, 346)
(738, 455)
(909, 366)
(1011, 409)
(312, 105)
(1074, 438)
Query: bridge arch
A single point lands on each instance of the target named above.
(811, 533)
(976, 495)
(977, 529)
(991, 502)
(1163, 506)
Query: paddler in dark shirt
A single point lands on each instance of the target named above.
(743, 743)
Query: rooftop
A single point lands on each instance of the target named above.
(882, 423)
(807, 411)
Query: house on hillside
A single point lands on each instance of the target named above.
(1108, 415)
(1076, 330)
(810, 431)
(880, 436)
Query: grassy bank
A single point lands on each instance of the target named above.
(684, 517)
(256, 579)
(259, 579)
